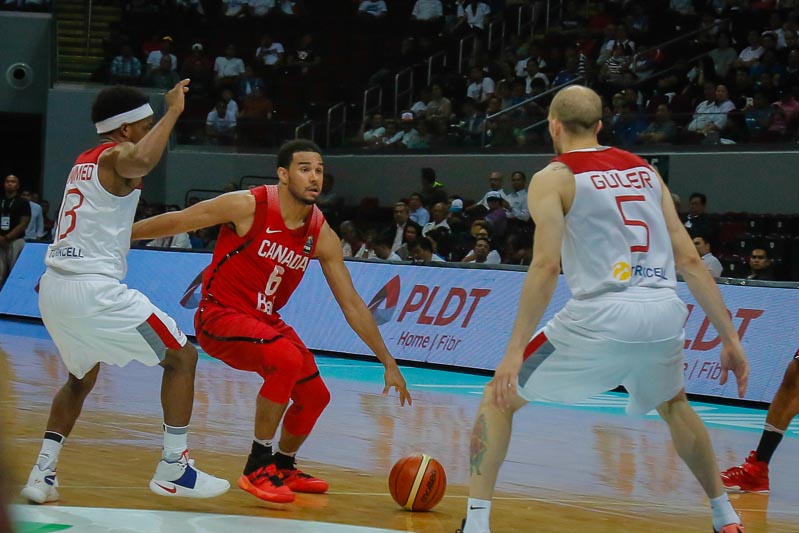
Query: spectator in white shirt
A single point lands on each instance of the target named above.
(35, 229)
(220, 125)
(482, 253)
(373, 130)
(154, 58)
(533, 54)
(517, 200)
(401, 216)
(533, 72)
(473, 14)
(711, 262)
(495, 180)
(373, 9)
(270, 55)
(422, 250)
(751, 54)
(710, 116)
(228, 68)
(482, 87)
(382, 247)
(427, 11)
(438, 214)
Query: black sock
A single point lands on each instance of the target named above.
(52, 435)
(768, 444)
(284, 461)
(260, 456)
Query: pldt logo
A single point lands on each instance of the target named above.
(388, 294)
(430, 304)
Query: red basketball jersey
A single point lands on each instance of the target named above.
(256, 274)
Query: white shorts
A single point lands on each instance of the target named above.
(634, 339)
(97, 319)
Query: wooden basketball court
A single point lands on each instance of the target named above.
(569, 469)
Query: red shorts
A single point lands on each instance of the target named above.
(273, 350)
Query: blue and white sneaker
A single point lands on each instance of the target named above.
(182, 479)
(42, 486)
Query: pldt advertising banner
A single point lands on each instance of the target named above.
(452, 316)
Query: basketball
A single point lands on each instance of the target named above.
(417, 482)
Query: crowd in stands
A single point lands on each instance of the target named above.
(734, 78)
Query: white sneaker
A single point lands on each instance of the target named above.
(182, 479)
(41, 486)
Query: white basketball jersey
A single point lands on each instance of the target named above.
(615, 234)
(94, 226)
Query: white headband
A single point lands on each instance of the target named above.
(128, 117)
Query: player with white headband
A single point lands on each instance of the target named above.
(92, 317)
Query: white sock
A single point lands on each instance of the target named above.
(723, 513)
(288, 454)
(478, 513)
(266, 443)
(175, 442)
(51, 447)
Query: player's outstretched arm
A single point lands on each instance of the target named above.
(233, 207)
(707, 294)
(133, 161)
(544, 199)
(358, 316)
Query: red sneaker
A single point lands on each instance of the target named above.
(299, 481)
(752, 476)
(265, 483)
(731, 528)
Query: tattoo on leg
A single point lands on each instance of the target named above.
(479, 445)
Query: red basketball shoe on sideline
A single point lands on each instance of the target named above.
(752, 476)
(731, 528)
(265, 483)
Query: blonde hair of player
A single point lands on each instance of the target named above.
(575, 119)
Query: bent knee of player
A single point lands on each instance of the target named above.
(310, 399)
(183, 359)
(83, 386)
(670, 408)
(313, 395)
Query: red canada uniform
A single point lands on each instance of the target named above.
(248, 281)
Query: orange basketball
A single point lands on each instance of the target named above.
(417, 482)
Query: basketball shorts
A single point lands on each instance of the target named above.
(247, 343)
(97, 319)
(634, 339)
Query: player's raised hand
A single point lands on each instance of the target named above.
(505, 380)
(393, 378)
(175, 98)
(733, 358)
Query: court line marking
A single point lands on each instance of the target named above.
(429, 386)
(580, 503)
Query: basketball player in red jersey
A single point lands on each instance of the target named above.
(269, 235)
(752, 475)
(619, 246)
